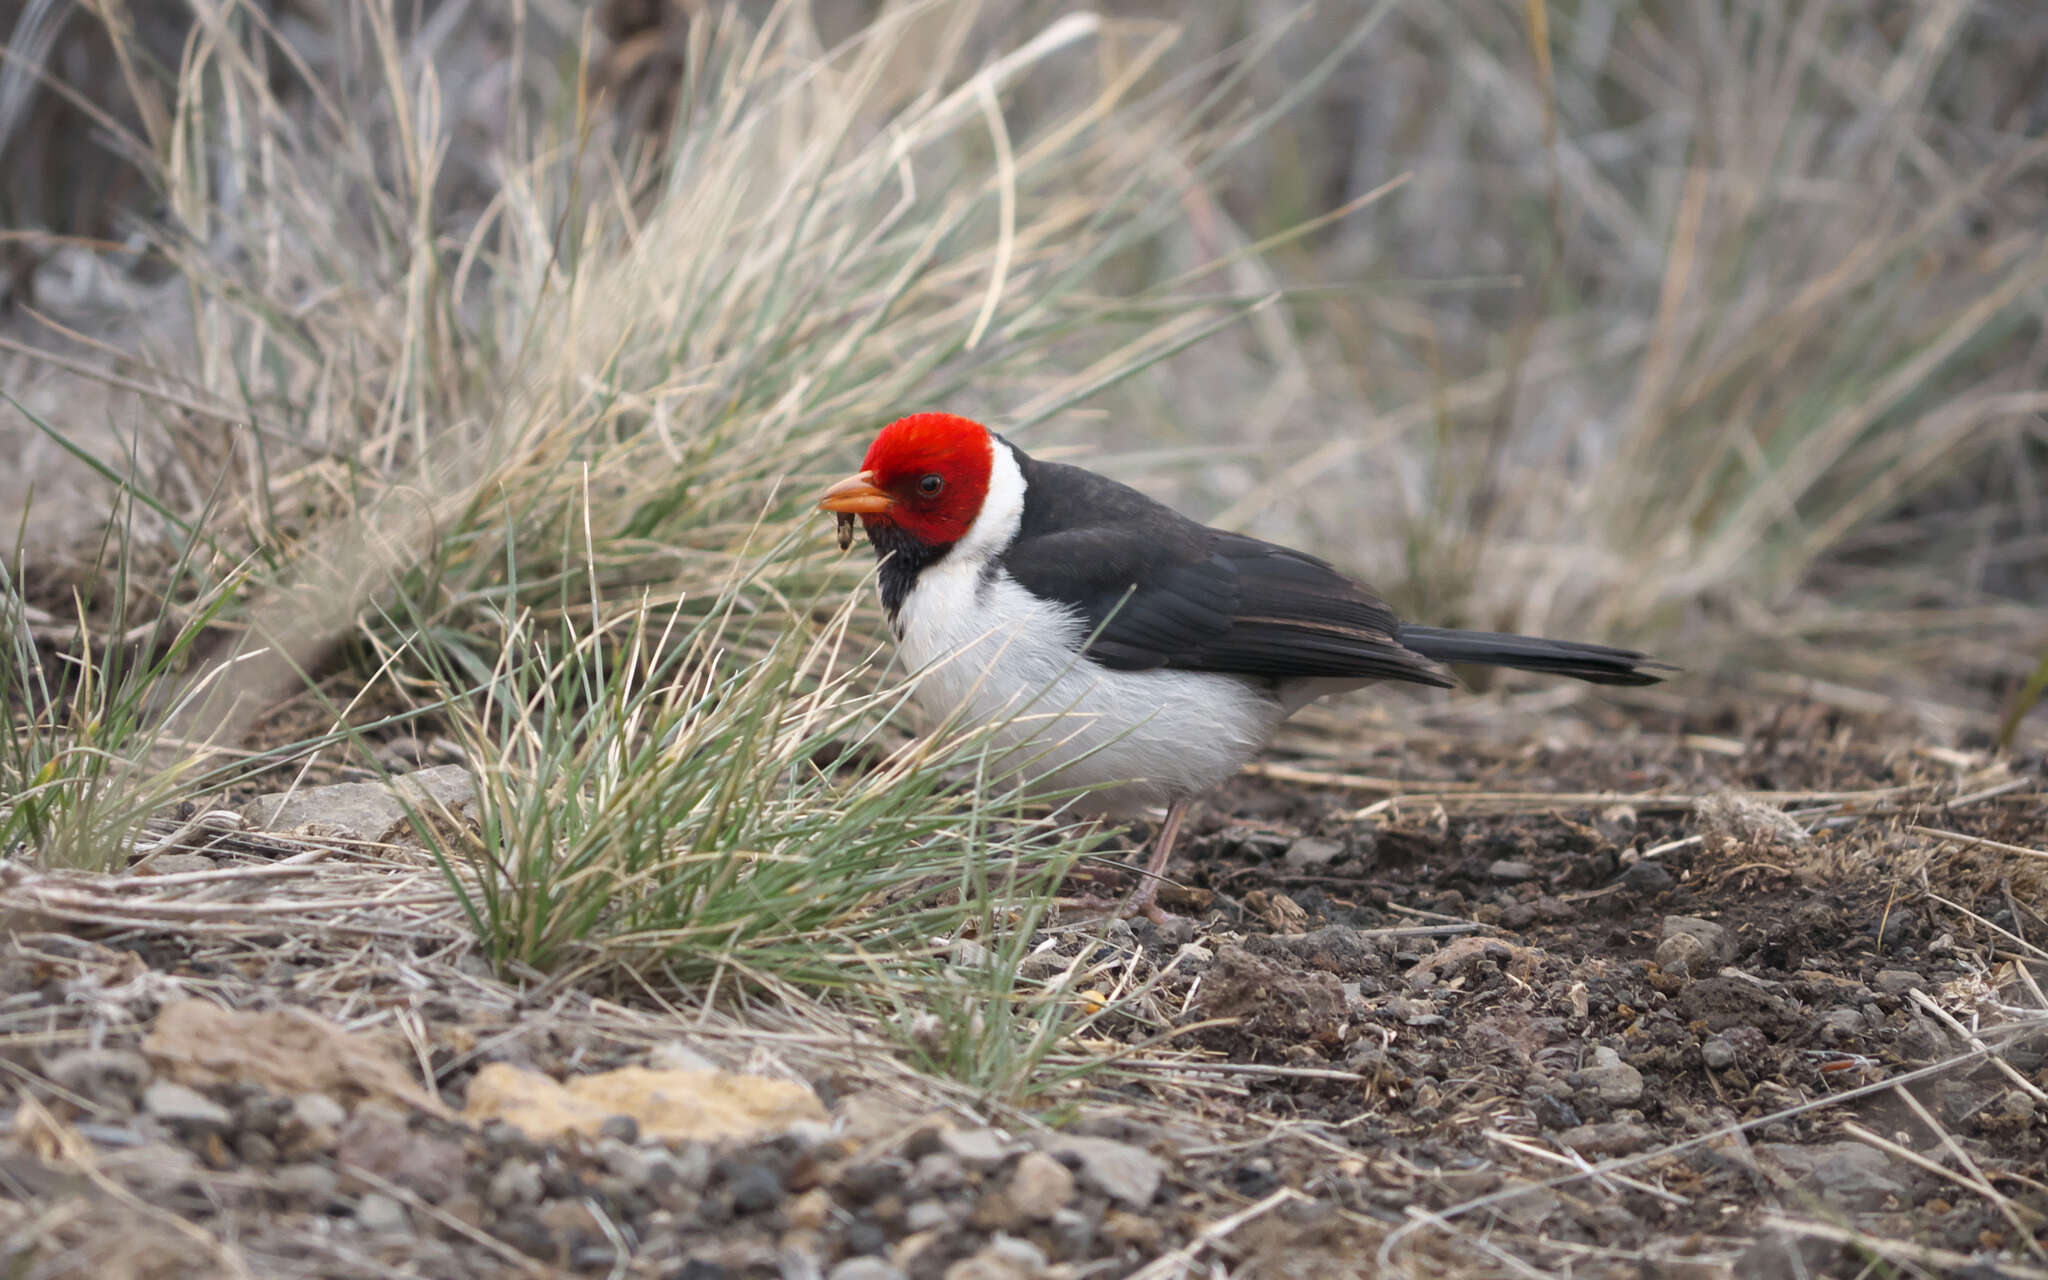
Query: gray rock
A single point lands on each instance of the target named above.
(976, 1148)
(254, 1148)
(1073, 1232)
(1847, 1175)
(1615, 1138)
(689, 1164)
(1717, 1053)
(755, 1188)
(1691, 946)
(176, 1104)
(355, 810)
(633, 1167)
(1310, 852)
(1842, 1024)
(1041, 965)
(1897, 982)
(365, 810)
(516, 1183)
(315, 1183)
(318, 1111)
(939, 1171)
(864, 1269)
(1114, 1168)
(1512, 870)
(382, 1215)
(926, 1215)
(1177, 931)
(110, 1077)
(161, 1170)
(1647, 877)
(448, 788)
(1615, 1082)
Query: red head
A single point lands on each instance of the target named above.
(926, 475)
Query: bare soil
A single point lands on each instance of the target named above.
(1756, 994)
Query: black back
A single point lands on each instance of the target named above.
(1161, 591)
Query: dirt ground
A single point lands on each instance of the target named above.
(1754, 993)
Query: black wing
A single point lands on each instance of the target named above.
(1160, 590)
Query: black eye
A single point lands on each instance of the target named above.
(930, 485)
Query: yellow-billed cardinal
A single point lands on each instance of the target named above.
(1121, 646)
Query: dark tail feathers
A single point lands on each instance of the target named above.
(1593, 662)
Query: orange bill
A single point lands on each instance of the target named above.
(856, 496)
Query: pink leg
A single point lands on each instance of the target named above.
(1142, 900)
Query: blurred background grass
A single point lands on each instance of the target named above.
(1713, 326)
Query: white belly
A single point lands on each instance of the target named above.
(987, 651)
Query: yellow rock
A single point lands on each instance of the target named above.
(674, 1106)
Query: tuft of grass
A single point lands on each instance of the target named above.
(714, 794)
(84, 760)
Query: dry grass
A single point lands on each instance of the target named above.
(436, 389)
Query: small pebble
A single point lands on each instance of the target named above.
(318, 1111)
(1897, 982)
(110, 1077)
(254, 1148)
(633, 1167)
(1117, 1169)
(1309, 852)
(315, 1183)
(755, 1188)
(1039, 1186)
(1611, 1139)
(874, 1178)
(926, 1215)
(516, 1183)
(1648, 877)
(1844, 1023)
(381, 1214)
(1512, 870)
(976, 1148)
(938, 1171)
(620, 1129)
(1072, 1233)
(177, 1104)
(864, 1269)
(1615, 1082)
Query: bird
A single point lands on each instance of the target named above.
(1125, 655)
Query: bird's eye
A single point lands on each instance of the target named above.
(930, 485)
